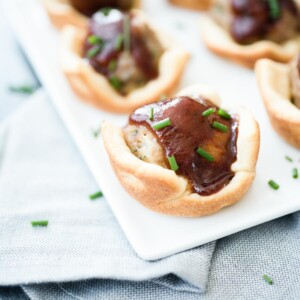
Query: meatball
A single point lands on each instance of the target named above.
(249, 21)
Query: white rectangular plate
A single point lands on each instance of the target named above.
(152, 235)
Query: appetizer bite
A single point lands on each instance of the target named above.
(280, 89)
(192, 4)
(247, 30)
(77, 12)
(120, 62)
(185, 155)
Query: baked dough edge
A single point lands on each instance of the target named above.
(61, 13)
(162, 190)
(94, 88)
(275, 87)
(193, 4)
(219, 41)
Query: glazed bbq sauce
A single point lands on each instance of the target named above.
(89, 7)
(253, 18)
(190, 130)
(108, 26)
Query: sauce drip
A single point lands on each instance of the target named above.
(190, 130)
(89, 7)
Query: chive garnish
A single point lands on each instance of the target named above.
(295, 173)
(205, 154)
(220, 126)
(224, 114)
(112, 65)
(115, 82)
(106, 10)
(95, 40)
(93, 51)
(173, 163)
(23, 89)
(96, 195)
(267, 279)
(39, 223)
(273, 184)
(274, 8)
(288, 158)
(126, 33)
(208, 112)
(118, 42)
(163, 97)
(96, 132)
(151, 113)
(162, 124)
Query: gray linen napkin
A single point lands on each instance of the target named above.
(238, 264)
(42, 176)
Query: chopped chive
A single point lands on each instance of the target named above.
(173, 163)
(288, 158)
(23, 89)
(163, 97)
(93, 51)
(106, 10)
(96, 195)
(126, 33)
(274, 8)
(118, 42)
(205, 154)
(224, 114)
(96, 132)
(39, 223)
(95, 40)
(273, 184)
(295, 173)
(267, 279)
(115, 82)
(208, 112)
(162, 124)
(112, 65)
(220, 126)
(151, 113)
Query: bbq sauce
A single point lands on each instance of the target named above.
(253, 19)
(89, 7)
(109, 27)
(188, 131)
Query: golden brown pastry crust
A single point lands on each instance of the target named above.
(171, 194)
(218, 40)
(61, 13)
(275, 87)
(94, 88)
(193, 4)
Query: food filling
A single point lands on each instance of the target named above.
(295, 80)
(192, 137)
(122, 47)
(249, 21)
(89, 7)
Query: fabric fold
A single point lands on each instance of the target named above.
(42, 176)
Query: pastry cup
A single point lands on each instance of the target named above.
(275, 87)
(193, 4)
(95, 89)
(218, 40)
(164, 191)
(61, 13)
